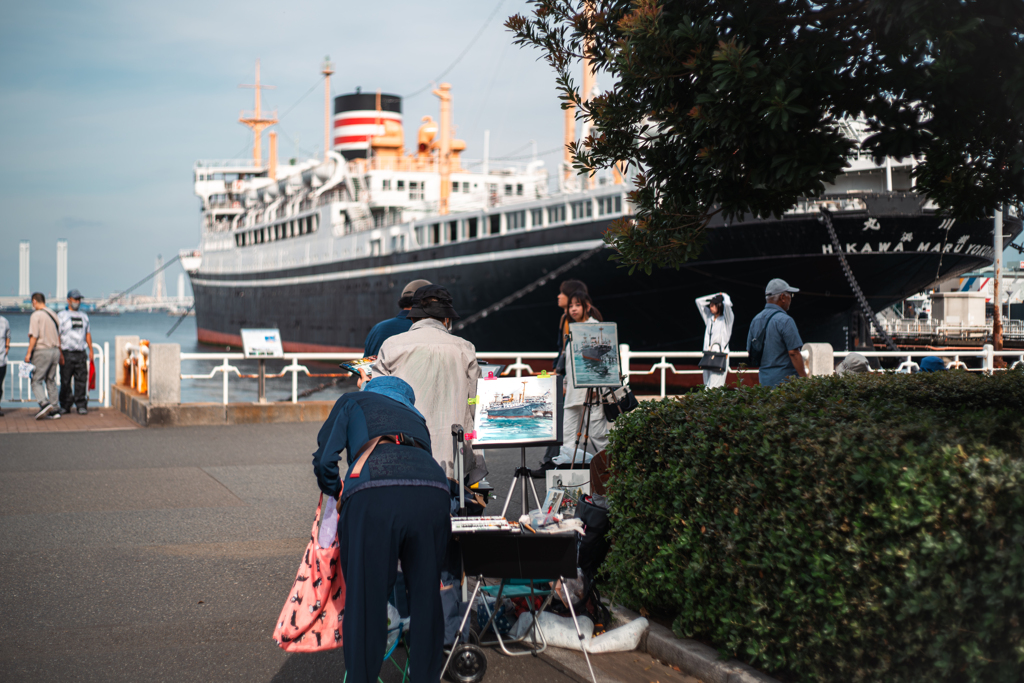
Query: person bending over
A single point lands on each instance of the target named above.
(394, 501)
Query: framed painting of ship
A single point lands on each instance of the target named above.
(594, 355)
(518, 411)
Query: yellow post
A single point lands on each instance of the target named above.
(272, 161)
(255, 119)
(445, 151)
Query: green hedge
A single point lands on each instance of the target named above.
(862, 528)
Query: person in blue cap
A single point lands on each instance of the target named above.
(394, 505)
(932, 364)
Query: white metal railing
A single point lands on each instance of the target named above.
(1012, 329)
(952, 360)
(24, 386)
(630, 360)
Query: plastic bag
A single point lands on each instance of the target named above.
(560, 632)
(394, 621)
(564, 456)
(25, 370)
(575, 587)
(329, 524)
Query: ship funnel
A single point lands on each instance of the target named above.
(358, 117)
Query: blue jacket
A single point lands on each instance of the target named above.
(384, 329)
(781, 338)
(360, 416)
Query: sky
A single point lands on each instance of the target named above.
(106, 106)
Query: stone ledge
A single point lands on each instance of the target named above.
(693, 658)
(137, 407)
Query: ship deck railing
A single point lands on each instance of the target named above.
(925, 329)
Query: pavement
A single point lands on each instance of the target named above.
(22, 421)
(166, 555)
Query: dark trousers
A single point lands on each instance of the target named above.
(76, 367)
(377, 528)
(3, 376)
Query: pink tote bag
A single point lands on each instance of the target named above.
(311, 618)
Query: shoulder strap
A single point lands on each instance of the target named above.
(764, 332)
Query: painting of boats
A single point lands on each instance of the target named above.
(594, 356)
(518, 411)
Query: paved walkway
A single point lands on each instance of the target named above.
(22, 420)
(166, 555)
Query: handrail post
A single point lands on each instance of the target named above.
(624, 360)
(225, 366)
(989, 360)
(519, 364)
(106, 374)
(295, 382)
(663, 363)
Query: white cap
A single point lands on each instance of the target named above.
(778, 286)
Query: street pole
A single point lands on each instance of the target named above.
(997, 305)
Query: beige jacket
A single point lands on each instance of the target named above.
(442, 371)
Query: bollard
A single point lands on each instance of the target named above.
(121, 354)
(820, 359)
(164, 374)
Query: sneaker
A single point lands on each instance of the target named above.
(1, 413)
(82, 411)
(64, 411)
(53, 416)
(44, 411)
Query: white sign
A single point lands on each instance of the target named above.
(262, 344)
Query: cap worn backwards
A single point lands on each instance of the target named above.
(411, 288)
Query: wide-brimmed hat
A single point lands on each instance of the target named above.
(432, 301)
(394, 388)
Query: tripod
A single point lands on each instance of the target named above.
(592, 399)
(522, 473)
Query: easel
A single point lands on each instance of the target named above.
(592, 399)
(522, 473)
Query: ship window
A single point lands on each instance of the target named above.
(398, 243)
(618, 204)
(419, 235)
(455, 187)
(508, 190)
(400, 185)
(536, 217)
(556, 214)
(374, 247)
(515, 220)
(435, 233)
(471, 228)
(453, 231)
(416, 190)
(465, 187)
(238, 240)
(314, 223)
(385, 184)
(495, 221)
(582, 209)
(519, 190)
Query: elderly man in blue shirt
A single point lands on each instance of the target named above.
(782, 344)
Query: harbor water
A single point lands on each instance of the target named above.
(155, 326)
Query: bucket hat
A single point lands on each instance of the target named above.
(432, 301)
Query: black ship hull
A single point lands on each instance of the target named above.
(894, 249)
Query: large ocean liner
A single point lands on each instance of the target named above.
(321, 248)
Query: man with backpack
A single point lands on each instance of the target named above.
(773, 341)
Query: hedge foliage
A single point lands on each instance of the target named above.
(859, 528)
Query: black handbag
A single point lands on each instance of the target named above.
(716, 361)
(614, 407)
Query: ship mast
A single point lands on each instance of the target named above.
(327, 70)
(443, 93)
(255, 120)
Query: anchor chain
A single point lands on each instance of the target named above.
(864, 305)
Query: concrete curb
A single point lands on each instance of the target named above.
(142, 412)
(693, 658)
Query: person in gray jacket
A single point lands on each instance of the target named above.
(44, 353)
